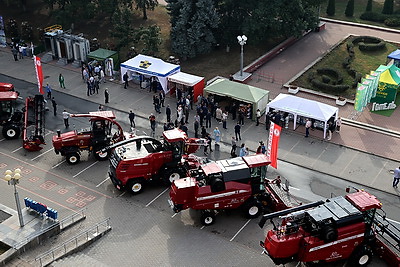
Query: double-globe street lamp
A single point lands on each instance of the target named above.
(242, 41)
(13, 179)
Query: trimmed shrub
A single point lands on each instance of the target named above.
(392, 22)
(388, 7)
(339, 88)
(368, 43)
(330, 9)
(349, 12)
(373, 16)
(331, 73)
(326, 79)
(369, 6)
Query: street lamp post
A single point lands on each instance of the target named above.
(242, 41)
(13, 179)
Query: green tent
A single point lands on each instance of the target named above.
(102, 54)
(389, 82)
(242, 92)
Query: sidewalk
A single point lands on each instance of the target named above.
(355, 155)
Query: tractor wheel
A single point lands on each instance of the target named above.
(361, 256)
(73, 158)
(253, 209)
(173, 174)
(135, 186)
(207, 218)
(11, 132)
(329, 234)
(99, 155)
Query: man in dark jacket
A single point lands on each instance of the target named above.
(168, 112)
(132, 119)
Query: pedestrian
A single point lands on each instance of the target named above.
(196, 125)
(224, 119)
(85, 74)
(208, 119)
(234, 111)
(233, 148)
(278, 117)
(241, 116)
(184, 128)
(89, 88)
(242, 152)
(152, 120)
(66, 116)
(21, 52)
(396, 177)
(237, 131)
(258, 116)
(203, 132)
(92, 85)
(15, 53)
(96, 84)
(268, 117)
(132, 119)
(61, 81)
(54, 103)
(338, 124)
(187, 114)
(106, 96)
(331, 129)
(125, 77)
(218, 115)
(168, 113)
(308, 126)
(161, 95)
(102, 80)
(208, 144)
(101, 108)
(179, 113)
(217, 135)
(48, 91)
(261, 148)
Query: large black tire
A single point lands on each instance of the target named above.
(361, 256)
(11, 132)
(135, 186)
(100, 156)
(252, 209)
(217, 184)
(329, 234)
(73, 158)
(173, 174)
(207, 217)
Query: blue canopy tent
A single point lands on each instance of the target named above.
(395, 56)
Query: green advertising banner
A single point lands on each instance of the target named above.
(359, 102)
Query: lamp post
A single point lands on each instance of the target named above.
(242, 41)
(13, 179)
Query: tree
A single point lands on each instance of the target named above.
(349, 12)
(149, 38)
(122, 29)
(369, 6)
(388, 7)
(144, 5)
(330, 9)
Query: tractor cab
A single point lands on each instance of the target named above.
(174, 140)
(7, 105)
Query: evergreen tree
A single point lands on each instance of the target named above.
(369, 6)
(388, 7)
(330, 10)
(349, 12)
(145, 5)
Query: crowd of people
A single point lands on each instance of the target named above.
(93, 76)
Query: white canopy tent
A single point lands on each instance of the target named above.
(149, 66)
(304, 107)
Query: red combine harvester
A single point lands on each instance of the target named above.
(34, 123)
(10, 117)
(141, 159)
(229, 184)
(350, 227)
(6, 87)
(94, 139)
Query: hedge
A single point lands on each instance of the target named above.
(373, 16)
(339, 88)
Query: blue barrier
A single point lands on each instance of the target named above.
(41, 208)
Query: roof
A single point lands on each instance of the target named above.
(107, 113)
(239, 91)
(390, 75)
(185, 78)
(150, 66)
(8, 95)
(364, 200)
(101, 54)
(395, 55)
(257, 160)
(303, 107)
(6, 87)
(174, 135)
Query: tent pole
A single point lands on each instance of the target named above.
(324, 129)
(295, 121)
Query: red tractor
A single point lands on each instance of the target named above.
(100, 135)
(141, 159)
(350, 227)
(5, 87)
(228, 184)
(10, 117)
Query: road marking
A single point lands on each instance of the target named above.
(16, 149)
(42, 154)
(393, 221)
(240, 230)
(378, 175)
(1, 140)
(102, 182)
(201, 228)
(58, 164)
(85, 169)
(123, 193)
(154, 199)
(294, 188)
(50, 132)
(174, 215)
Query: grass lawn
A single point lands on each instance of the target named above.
(364, 62)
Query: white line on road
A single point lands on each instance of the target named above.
(1, 140)
(58, 164)
(123, 193)
(85, 169)
(240, 230)
(201, 228)
(50, 132)
(393, 221)
(102, 182)
(294, 188)
(17, 149)
(154, 199)
(174, 215)
(42, 154)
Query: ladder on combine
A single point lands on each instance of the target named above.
(34, 123)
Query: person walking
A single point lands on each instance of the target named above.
(258, 116)
(208, 119)
(217, 135)
(241, 116)
(152, 120)
(66, 116)
(61, 81)
(168, 113)
(48, 91)
(15, 53)
(161, 96)
(54, 103)
(203, 132)
(396, 177)
(338, 124)
(308, 126)
(237, 131)
(196, 125)
(102, 76)
(208, 144)
(125, 78)
(218, 115)
(242, 152)
(132, 119)
(100, 108)
(233, 148)
(106, 96)
(224, 119)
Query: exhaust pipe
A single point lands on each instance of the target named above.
(59, 133)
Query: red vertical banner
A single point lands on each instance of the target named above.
(39, 73)
(273, 143)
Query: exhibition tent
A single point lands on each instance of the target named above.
(304, 107)
(388, 85)
(189, 80)
(149, 66)
(395, 56)
(102, 55)
(246, 93)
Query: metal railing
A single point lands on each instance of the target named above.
(73, 243)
